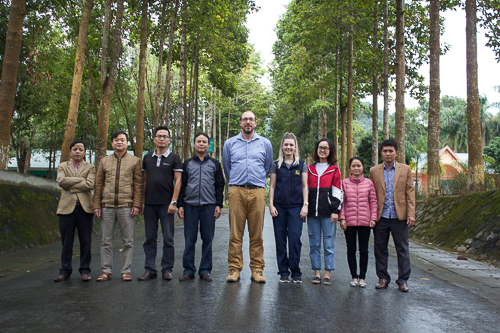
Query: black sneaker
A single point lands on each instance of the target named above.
(284, 279)
(297, 279)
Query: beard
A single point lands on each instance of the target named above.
(247, 131)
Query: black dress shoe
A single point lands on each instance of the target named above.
(206, 277)
(167, 275)
(61, 278)
(382, 284)
(147, 276)
(86, 277)
(185, 277)
(403, 287)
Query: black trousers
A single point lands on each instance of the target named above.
(363, 236)
(83, 222)
(399, 231)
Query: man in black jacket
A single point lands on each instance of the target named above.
(200, 201)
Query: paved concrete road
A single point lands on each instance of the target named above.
(440, 299)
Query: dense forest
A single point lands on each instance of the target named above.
(84, 69)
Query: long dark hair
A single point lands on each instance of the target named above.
(332, 157)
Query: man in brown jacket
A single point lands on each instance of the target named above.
(396, 214)
(76, 178)
(118, 196)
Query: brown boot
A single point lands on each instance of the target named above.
(233, 275)
(257, 276)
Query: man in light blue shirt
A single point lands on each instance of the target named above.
(247, 158)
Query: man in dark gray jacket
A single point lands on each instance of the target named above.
(200, 201)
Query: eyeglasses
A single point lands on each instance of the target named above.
(324, 148)
(246, 120)
(164, 137)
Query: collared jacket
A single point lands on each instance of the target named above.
(80, 186)
(404, 192)
(202, 184)
(359, 206)
(325, 192)
(118, 182)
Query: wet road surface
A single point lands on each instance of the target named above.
(439, 300)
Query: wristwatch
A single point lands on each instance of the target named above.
(306, 203)
(174, 203)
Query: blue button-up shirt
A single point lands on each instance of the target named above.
(197, 158)
(389, 211)
(247, 162)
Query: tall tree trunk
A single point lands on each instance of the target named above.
(86, 125)
(343, 164)
(189, 122)
(166, 96)
(385, 126)
(108, 84)
(69, 133)
(8, 81)
(342, 120)
(180, 101)
(209, 120)
(160, 64)
(214, 123)
(336, 101)
(375, 88)
(139, 136)
(475, 174)
(91, 76)
(229, 121)
(400, 80)
(220, 128)
(196, 80)
(350, 80)
(433, 169)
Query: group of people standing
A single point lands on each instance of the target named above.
(162, 185)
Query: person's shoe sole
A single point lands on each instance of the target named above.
(262, 281)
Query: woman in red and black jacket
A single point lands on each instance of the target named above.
(325, 201)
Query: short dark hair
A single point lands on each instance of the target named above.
(332, 156)
(72, 144)
(389, 143)
(204, 134)
(356, 158)
(115, 135)
(248, 111)
(159, 128)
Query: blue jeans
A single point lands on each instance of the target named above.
(317, 226)
(151, 215)
(205, 216)
(288, 225)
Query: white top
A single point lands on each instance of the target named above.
(321, 168)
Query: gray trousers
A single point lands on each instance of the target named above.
(126, 224)
(399, 231)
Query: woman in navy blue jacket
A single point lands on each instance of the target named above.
(288, 206)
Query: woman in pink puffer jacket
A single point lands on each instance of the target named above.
(357, 216)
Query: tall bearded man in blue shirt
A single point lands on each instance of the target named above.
(247, 158)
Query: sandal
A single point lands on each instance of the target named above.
(126, 277)
(105, 276)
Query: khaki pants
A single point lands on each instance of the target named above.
(126, 224)
(246, 204)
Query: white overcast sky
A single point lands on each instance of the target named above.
(262, 27)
